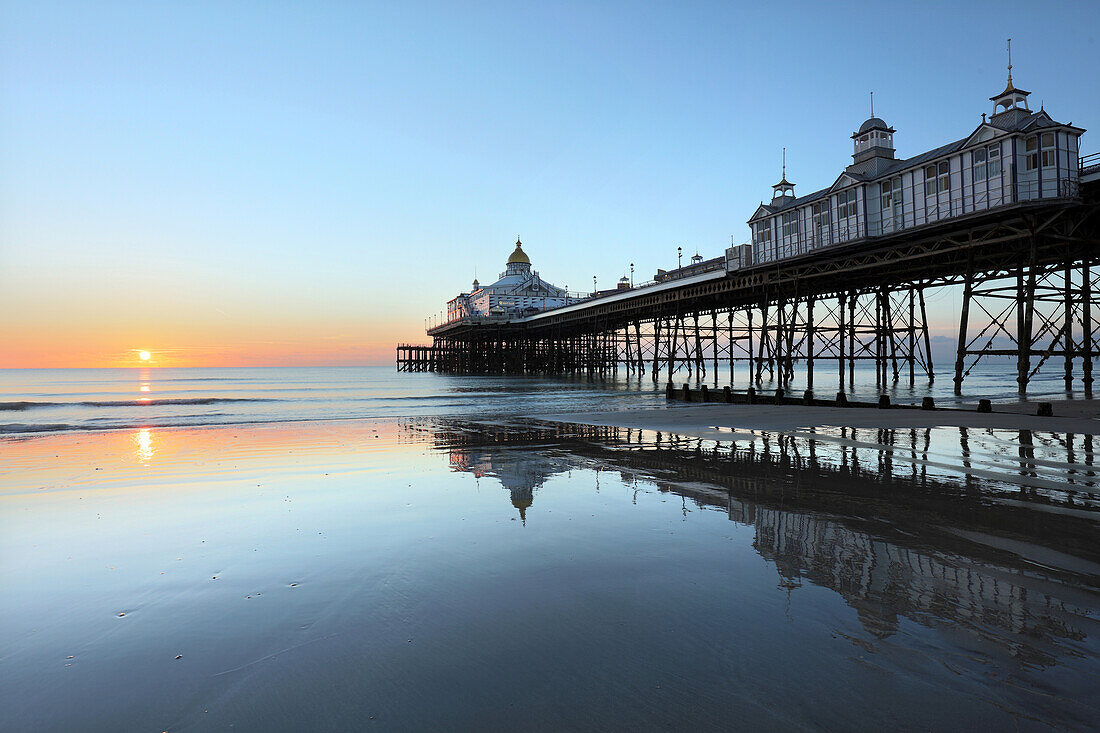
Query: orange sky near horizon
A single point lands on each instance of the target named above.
(72, 346)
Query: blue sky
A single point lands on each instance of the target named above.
(221, 178)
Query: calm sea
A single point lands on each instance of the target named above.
(52, 400)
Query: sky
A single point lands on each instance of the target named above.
(246, 183)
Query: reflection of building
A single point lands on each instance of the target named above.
(519, 290)
(882, 580)
(520, 473)
(851, 518)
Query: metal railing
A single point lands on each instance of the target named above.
(1087, 164)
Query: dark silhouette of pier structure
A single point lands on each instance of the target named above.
(1027, 270)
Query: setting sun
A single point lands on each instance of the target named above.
(143, 355)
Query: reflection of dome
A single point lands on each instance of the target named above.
(874, 123)
(519, 255)
(522, 499)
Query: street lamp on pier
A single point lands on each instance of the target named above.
(631, 274)
(593, 284)
(679, 257)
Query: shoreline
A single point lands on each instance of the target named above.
(714, 420)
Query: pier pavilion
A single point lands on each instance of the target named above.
(519, 291)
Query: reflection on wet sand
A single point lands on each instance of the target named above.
(1014, 564)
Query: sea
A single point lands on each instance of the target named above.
(356, 549)
(52, 400)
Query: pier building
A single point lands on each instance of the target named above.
(519, 291)
(1014, 155)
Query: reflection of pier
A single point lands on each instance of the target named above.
(892, 538)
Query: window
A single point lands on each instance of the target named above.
(846, 204)
(790, 224)
(1031, 157)
(993, 167)
(945, 176)
(979, 165)
(930, 181)
(1048, 150)
(890, 193)
(763, 232)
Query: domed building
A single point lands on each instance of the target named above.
(519, 292)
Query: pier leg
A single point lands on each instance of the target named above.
(1086, 328)
(810, 344)
(1067, 326)
(964, 317)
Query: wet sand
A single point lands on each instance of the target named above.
(715, 421)
(438, 574)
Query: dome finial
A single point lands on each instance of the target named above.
(1010, 62)
(872, 104)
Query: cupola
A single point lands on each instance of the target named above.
(875, 139)
(784, 190)
(518, 262)
(1011, 98)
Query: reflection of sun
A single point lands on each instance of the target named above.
(144, 440)
(144, 355)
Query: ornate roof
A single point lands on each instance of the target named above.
(1009, 89)
(519, 255)
(873, 123)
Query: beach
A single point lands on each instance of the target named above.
(667, 567)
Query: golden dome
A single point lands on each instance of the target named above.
(519, 255)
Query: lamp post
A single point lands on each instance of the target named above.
(631, 274)
(593, 284)
(679, 257)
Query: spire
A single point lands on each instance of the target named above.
(1011, 97)
(872, 104)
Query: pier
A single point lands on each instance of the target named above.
(1010, 215)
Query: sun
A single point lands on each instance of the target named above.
(144, 355)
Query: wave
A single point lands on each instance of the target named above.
(21, 427)
(152, 402)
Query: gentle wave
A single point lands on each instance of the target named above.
(22, 427)
(15, 406)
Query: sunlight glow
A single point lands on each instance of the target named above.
(144, 355)
(144, 440)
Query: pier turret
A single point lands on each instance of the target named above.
(784, 190)
(874, 139)
(1012, 102)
